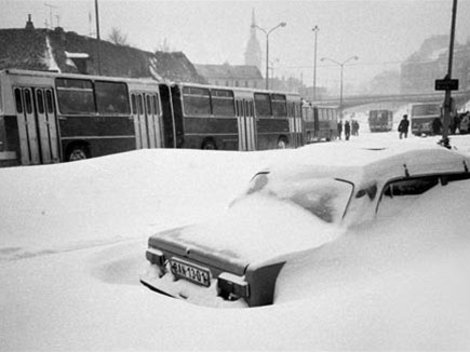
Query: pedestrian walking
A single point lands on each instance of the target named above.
(340, 129)
(347, 130)
(403, 127)
(436, 125)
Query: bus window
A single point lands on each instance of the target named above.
(134, 104)
(262, 105)
(28, 102)
(40, 101)
(279, 105)
(49, 102)
(196, 101)
(111, 97)
(75, 96)
(149, 105)
(290, 109)
(156, 105)
(223, 103)
(140, 104)
(19, 101)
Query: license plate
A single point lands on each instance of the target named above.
(190, 272)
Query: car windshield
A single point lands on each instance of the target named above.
(326, 198)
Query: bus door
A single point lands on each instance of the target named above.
(37, 127)
(140, 123)
(246, 125)
(146, 115)
(152, 119)
(298, 125)
(295, 124)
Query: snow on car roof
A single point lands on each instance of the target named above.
(357, 162)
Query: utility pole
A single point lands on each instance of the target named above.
(315, 30)
(448, 90)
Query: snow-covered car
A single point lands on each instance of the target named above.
(306, 199)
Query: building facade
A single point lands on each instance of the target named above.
(430, 62)
(57, 50)
(231, 75)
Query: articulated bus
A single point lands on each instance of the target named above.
(48, 117)
(380, 120)
(208, 117)
(320, 123)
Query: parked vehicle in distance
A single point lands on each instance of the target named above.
(380, 120)
(51, 117)
(423, 116)
(320, 123)
(308, 198)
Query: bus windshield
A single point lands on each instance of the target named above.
(426, 110)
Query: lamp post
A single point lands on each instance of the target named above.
(315, 30)
(267, 33)
(341, 65)
(98, 39)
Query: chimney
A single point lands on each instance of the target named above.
(29, 24)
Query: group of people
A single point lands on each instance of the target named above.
(349, 128)
(460, 123)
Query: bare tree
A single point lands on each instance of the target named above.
(117, 37)
(164, 46)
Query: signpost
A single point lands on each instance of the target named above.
(446, 84)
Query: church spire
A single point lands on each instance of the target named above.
(253, 49)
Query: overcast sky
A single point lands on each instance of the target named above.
(381, 33)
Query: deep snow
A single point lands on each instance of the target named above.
(73, 238)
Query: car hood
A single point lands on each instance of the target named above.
(256, 229)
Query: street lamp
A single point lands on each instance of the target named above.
(267, 33)
(315, 30)
(341, 65)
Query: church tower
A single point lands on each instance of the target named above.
(253, 49)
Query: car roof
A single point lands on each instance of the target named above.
(360, 163)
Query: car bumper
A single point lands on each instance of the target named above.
(169, 285)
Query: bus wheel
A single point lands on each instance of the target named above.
(77, 152)
(282, 143)
(209, 145)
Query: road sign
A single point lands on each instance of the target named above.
(446, 84)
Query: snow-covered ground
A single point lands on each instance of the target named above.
(73, 238)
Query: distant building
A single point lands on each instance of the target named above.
(420, 70)
(253, 50)
(231, 76)
(57, 50)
